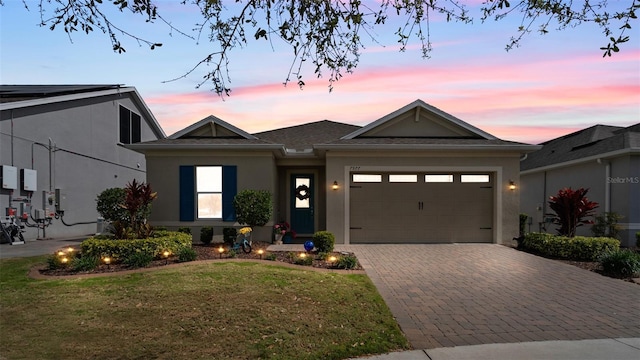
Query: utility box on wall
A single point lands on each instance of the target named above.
(29, 180)
(9, 177)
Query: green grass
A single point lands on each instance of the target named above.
(198, 311)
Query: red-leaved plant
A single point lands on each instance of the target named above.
(571, 209)
(137, 202)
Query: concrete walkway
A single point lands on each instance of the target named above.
(458, 295)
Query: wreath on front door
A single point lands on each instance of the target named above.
(302, 192)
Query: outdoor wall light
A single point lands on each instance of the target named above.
(335, 185)
(512, 185)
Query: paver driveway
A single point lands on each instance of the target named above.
(469, 294)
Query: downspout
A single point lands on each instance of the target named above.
(607, 186)
(12, 137)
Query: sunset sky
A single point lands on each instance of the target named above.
(550, 86)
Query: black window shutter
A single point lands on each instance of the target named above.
(229, 191)
(135, 128)
(187, 193)
(125, 125)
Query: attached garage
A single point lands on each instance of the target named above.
(421, 207)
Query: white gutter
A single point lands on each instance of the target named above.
(527, 148)
(582, 160)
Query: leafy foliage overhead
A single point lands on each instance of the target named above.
(329, 34)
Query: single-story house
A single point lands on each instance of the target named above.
(61, 146)
(604, 159)
(416, 175)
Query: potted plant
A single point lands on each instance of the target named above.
(279, 230)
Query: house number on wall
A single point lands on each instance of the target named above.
(355, 168)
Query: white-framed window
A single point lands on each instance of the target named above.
(130, 123)
(474, 178)
(438, 178)
(370, 178)
(209, 192)
(403, 178)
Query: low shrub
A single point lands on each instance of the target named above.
(187, 254)
(138, 259)
(620, 263)
(303, 260)
(184, 229)
(324, 241)
(206, 235)
(229, 235)
(119, 249)
(54, 262)
(347, 262)
(579, 248)
(85, 263)
(232, 254)
(271, 257)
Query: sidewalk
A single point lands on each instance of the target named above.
(37, 247)
(612, 349)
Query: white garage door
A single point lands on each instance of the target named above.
(421, 207)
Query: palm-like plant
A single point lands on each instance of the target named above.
(571, 209)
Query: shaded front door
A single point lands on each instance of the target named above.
(302, 202)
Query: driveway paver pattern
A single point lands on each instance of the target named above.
(470, 294)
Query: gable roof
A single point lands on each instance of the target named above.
(23, 96)
(425, 121)
(306, 135)
(211, 127)
(416, 126)
(594, 141)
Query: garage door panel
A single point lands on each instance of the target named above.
(421, 212)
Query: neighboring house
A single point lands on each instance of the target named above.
(417, 175)
(61, 145)
(604, 159)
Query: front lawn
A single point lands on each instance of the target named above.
(196, 311)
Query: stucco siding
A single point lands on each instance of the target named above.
(255, 171)
(85, 156)
(613, 183)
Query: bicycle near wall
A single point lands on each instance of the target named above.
(242, 241)
(10, 230)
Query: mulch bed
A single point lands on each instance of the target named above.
(210, 252)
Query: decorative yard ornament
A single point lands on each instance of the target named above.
(308, 245)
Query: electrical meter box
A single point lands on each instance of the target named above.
(29, 180)
(9, 177)
(60, 200)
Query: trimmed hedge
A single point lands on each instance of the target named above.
(123, 249)
(324, 241)
(579, 248)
